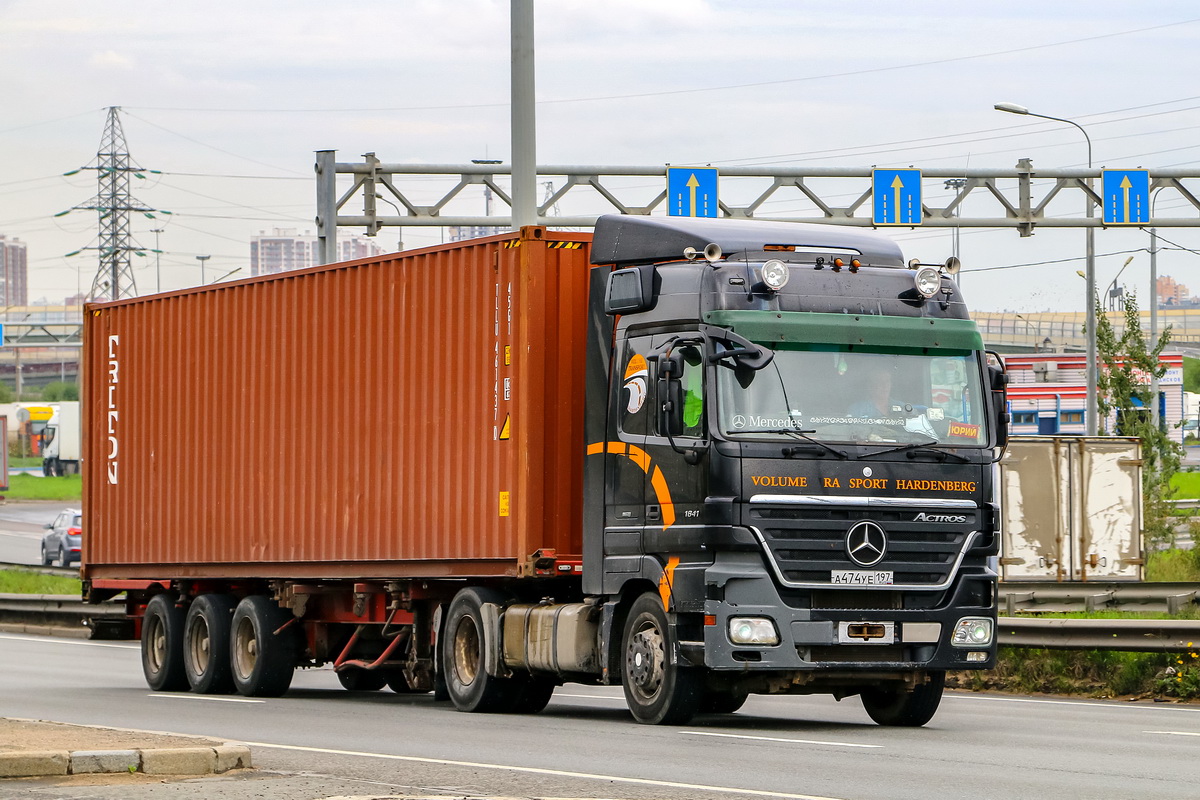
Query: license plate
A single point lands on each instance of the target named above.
(860, 577)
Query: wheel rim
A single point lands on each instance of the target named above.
(156, 653)
(466, 651)
(198, 645)
(645, 660)
(245, 649)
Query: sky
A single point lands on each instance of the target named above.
(229, 101)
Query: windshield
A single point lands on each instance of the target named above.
(837, 395)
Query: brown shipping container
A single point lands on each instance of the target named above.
(343, 421)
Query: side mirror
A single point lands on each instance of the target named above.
(998, 382)
(670, 395)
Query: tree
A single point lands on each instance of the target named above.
(1126, 365)
(56, 391)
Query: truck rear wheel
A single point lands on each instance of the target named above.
(896, 707)
(469, 685)
(657, 691)
(263, 661)
(357, 679)
(721, 701)
(162, 645)
(206, 644)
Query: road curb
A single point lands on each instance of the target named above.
(148, 761)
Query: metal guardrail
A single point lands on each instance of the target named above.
(1131, 635)
(1135, 635)
(1042, 597)
(64, 572)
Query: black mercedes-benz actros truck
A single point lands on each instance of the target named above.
(798, 445)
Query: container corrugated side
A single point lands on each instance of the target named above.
(343, 421)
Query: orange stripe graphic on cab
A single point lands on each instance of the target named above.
(658, 481)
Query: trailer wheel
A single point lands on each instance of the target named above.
(469, 685)
(399, 684)
(657, 691)
(162, 645)
(263, 661)
(357, 679)
(721, 702)
(896, 707)
(206, 644)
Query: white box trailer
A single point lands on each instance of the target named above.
(63, 447)
(1072, 509)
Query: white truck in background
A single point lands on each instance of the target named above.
(62, 446)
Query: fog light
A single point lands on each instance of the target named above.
(775, 275)
(972, 632)
(977, 655)
(752, 630)
(928, 281)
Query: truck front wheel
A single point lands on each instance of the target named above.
(162, 645)
(658, 690)
(464, 657)
(263, 656)
(206, 644)
(896, 707)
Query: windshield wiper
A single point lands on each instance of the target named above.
(803, 434)
(918, 447)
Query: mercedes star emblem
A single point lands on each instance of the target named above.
(866, 543)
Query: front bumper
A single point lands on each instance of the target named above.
(812, 639)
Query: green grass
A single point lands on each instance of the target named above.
(14, 581)
(25, 462)
(1186, 485)
(33, 487)
(1173, 565)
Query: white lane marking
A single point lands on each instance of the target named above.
(777, 739)
(538, 771)
(1094, 704)
(71, 642)
(1175, 733)
(20, 535)
(205, 697)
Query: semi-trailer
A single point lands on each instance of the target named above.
(697, 458)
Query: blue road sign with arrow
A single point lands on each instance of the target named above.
(1126, 196)
(691, 191)
(896, 196)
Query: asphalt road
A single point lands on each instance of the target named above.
(21, 529)
(321, 741)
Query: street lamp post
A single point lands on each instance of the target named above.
(202, 259)
(1090, 274)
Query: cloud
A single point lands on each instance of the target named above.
(110, 59)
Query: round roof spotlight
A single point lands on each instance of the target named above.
(928, 281)
(775, 275)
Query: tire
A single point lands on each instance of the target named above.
(533, 695)
(47, 469)
(162, 645)
(263, 662)
(656, 691)
(399, 684)
(898, 708)
(64, 560)
(206, 644)
(47, 559)
(467, 682)
(721, 702)
(357, 679)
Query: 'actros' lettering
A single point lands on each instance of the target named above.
(923, 517)
(114, 372)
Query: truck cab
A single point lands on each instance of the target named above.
(799, 456)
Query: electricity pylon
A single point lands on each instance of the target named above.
(114, 278)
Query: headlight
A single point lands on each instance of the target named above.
(972, 632)
(775, 275)
(752, 630)
(928, 281)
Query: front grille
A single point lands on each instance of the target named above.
(859, 654)
(807, 543)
